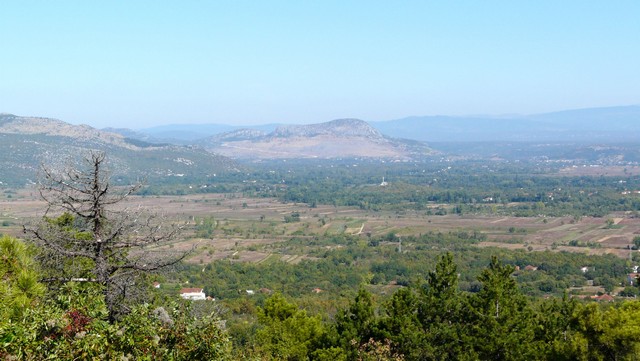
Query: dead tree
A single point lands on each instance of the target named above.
(87, 235)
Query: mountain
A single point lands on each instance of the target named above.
(235, 135)
(341, 138)
(28, 142)
(342, 128)
(137, 135)
(617, 124)
(187, 133)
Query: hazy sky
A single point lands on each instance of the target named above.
(141, 63)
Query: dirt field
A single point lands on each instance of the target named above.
(245, 226)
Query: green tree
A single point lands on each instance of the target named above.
(501, 318)
(205, 227)
(356, 324)
(554, 331)
(19, 289)
(286, 332)
(401, 325)
(441, 312)
(609, 223)
(612, 334)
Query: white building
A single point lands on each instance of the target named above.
(193, 294)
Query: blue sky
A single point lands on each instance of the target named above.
(142, 63)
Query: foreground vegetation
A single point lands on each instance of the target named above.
(73, 322)
(432, 320)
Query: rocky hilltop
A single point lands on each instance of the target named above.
(336, 128)
(28, 142)
(235, 135)
(12, 124)
(341, 138)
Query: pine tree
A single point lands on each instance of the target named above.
(501, 317)
(19, 288)
(356, 324)
(441, 313)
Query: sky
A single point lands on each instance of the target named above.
(138, 64)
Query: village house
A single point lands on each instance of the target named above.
(193, 294)
(603, 298)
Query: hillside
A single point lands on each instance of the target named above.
(342, 138)
(28, 142)
(188, 133)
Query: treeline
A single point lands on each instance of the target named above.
(436, 321)
(475, 192)
(520, 189)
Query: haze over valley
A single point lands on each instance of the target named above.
(318, 181)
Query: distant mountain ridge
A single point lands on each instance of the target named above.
(618, 124)
(28, 142)
(340, 138)
(25, 142)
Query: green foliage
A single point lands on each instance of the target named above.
(401, 324)
(611, 334)
(205, 227)
(19, 287)
(74, 326)
(468, 188)
(357, 321)
(501, 316)
(441, 311)
(291, 218)
(432, 305)
(286, 332)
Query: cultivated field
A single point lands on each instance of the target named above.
(251, 229)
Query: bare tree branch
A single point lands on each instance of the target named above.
(85, 236)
